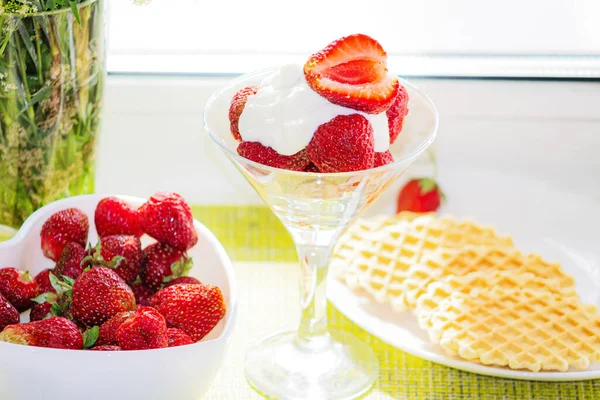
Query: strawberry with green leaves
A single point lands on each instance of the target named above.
(420, 195)
(18, 287)
(195, 309)
(144, 329)
(70, 225)
(55, 302)
(123, 253)
(99, 294)
(43, 281)
(55, 332)
(163, 263)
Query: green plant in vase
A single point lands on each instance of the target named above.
(51, 81)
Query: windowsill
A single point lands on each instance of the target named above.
(446, 66)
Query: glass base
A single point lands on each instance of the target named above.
(337, 367)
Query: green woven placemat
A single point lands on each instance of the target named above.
(254, 234)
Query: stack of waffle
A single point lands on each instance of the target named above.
(475, 294)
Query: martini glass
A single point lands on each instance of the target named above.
(314, 362)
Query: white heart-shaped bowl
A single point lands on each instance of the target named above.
(182, 373)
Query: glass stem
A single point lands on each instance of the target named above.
(314, 261)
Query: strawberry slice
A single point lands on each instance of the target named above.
(352, 72)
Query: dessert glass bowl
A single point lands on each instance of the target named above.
(186, 372)
(314, 362)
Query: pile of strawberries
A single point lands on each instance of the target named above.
(350, 72)
(115, 295)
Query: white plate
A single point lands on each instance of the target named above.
(561, 226)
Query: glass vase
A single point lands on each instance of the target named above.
(51, 84)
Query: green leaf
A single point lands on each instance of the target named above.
(56, 284)
(69, 280)
(41, 299)
(56, 310)
(427, 185)
(116, 261)
(75, 9)
(90, 337)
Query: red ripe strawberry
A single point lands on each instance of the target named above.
(114, 216)
(108, 330)
(420, 195)
(167, 217)
(144, 329)
(142, 293)
(123, 253)
(352, 72)
(256, 152)
(98, 295)
(55, 332)
(162, 264)
(183, 280)
(43, 281)
(18, 287)
(396, 113)
(70, 225)
(106, 347)
(195, 309)
(311, 168)
(177, 337)
(71, 261)
(238, 102)
(383, 159)
(40, 311)
(345, 143)
(8, 313)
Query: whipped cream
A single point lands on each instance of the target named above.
(285, 113)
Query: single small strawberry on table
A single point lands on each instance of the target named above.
(8, 313)
(18, 287)
(98, 295)
(144, 329)
(70, 225)
(114, 216)
(167, 217)
(195, 309)
(123, 253)
(55, 332)
(420, 195)
(163, 264)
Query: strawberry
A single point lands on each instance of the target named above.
(70, 225)
(396, 113)
(254, 151)
(114, 216)
(18, 287)
(420, 195)
(345, 143)
(195, 309)
(123, 253)
(311, 168)
(238, 102)
(142, 292)
(108, 330)
(352, 72)
(43, 281)
(71, 261)
(383, 159)
(182, 280)
(167, 217)
(106, 347)
(163, 264)
(177, 337)
(8, 313)
(98, 295)
(55, 332)
(144, 329)
(41, 311)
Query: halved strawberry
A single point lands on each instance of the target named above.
(352, 72)
(256, 152)
(238, 102)
(396, 113)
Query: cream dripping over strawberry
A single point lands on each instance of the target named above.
(285, 113)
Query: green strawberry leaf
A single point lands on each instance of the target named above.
(86, 270)
(90, 336)
(58, 285)
(69, 280)
(41, 299)
(116, 261)
(26, 277)
(427, 185)
(87, 259)
(56, 310)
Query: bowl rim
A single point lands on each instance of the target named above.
(232, 309)
(408, 157)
